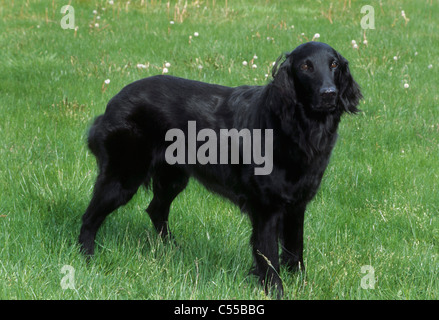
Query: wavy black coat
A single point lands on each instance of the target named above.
(311, 88)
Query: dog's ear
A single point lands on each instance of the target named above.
(281, 97)
(350, 93)
(283, 79)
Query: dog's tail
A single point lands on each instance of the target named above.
(95, 140)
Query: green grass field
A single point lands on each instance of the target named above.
(377, 209)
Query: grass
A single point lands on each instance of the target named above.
(378, 204)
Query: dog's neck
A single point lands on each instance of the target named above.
(312, 133)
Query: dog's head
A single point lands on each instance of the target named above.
(318, 77)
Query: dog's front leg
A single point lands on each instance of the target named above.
(265, 251)
(292, 238)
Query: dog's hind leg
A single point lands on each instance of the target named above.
(109, 194)
(168, 182)
(123, 167)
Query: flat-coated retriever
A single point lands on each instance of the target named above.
(300, 110)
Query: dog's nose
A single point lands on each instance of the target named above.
(328, 92)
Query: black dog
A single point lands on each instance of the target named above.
(310, 91)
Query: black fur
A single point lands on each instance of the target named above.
(303, 104)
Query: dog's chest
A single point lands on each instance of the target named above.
(299, 182)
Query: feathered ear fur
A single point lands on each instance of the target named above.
(283, 78)
(350, 93)
(282, 94)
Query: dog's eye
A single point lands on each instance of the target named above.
(334, 64)
(304, 67)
